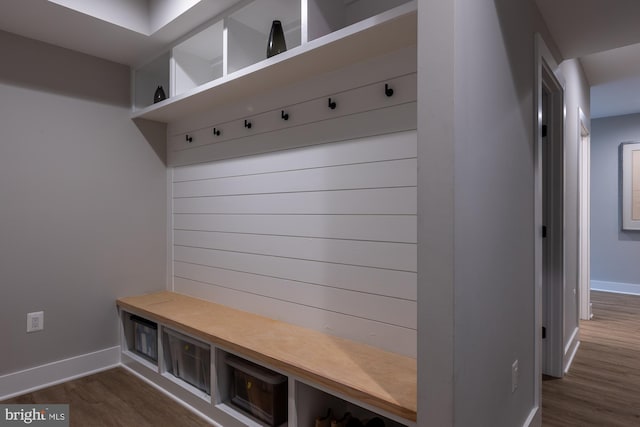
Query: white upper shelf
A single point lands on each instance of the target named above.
(386, 32)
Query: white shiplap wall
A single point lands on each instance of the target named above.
(322, 236)
(310, 220)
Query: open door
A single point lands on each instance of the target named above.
(584, 274)
(552, 231)
(548, 214)
(552, 225)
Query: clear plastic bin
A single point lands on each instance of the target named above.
(258, 391)
(188, 359)
(145, 334)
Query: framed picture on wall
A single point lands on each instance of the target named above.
(630, 162)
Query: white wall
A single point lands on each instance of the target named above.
(321, 236)
(476, 213)
(614, 252)
(83, 212)
(130, 14)
(161, 12)
(436, 88)
(310, 220)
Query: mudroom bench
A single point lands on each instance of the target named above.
(192, 348)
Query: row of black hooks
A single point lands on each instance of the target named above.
(331, 103)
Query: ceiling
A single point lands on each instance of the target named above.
(604, 35)
(136, 32)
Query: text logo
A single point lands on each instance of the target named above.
(36, 415)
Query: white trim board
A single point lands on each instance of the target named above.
(616, 287)
(296, 235)
(570, 349)
(534, 418)
(53, 373)
(130, 369)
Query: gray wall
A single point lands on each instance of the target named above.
(83, 211)
(493, 239)
(614, 253)
(475, 212)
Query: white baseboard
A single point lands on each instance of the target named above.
(172, 396)
(534, 419)
(617, 287)
(32, 379)
(571, 349)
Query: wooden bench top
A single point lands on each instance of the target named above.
(379, 378)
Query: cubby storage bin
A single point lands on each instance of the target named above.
(188, 359)
(145, 334)
(258, 391)
(140, 339)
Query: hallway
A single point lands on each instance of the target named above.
(602, 387)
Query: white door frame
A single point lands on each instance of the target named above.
(553, 273)
(584, 234)
(551, 362)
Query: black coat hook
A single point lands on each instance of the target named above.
(247, 124)
(188, 138)
(332, 104)
(387, 90)
(285, 116)
(216, 132)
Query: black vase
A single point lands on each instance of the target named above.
(159, 95)
(276, 40)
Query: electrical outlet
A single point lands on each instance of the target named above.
(515, 373)
(35, 321)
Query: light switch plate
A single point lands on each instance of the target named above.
(35, 321)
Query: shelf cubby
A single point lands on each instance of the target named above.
(329, 36)
(140, 339)
(199, 59)
(327, 16)
(250, 392)
(187, 361)
(147, 79)
(248, 30)
(312, 403)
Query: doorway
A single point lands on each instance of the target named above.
(548, 156)
(552, 230)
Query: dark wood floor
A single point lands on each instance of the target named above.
(602, 387)
(114, 398)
